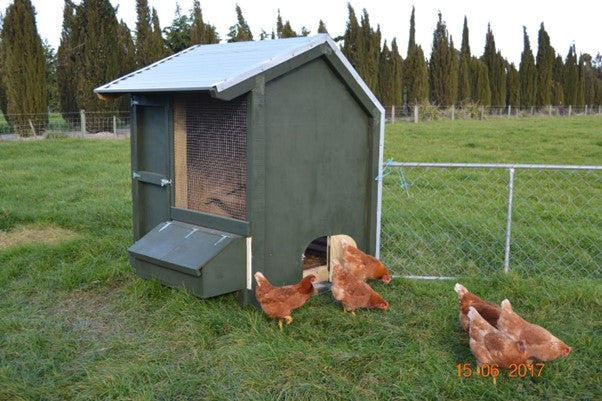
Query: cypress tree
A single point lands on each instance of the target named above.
(496, 70)
(386, 72)
(415, 72)
(201, 32)
(545, 61)
(527, 74)
(177, 35)
(581, 83)
(98, 30)
(144, 54)
(157, 49)
(482, 88)
(52, 90)
(464, 92)
(128, 59)
(513, 87)
(284, 30)
(24, 68)
(590, 80)
(352, 44)
(240, 31)
(557, 93)
(322, 27)
(370, 52)
(67, 61)
(443, 67)
(571, 77)
(397, 74)
(2, 90)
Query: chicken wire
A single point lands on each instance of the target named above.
(447, 221)
(215, 150)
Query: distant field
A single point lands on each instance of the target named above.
(76, 323)
(550, 140)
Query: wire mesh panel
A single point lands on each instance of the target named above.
(443, 221)
(210, 148)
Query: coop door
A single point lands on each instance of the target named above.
(150, 165)
(210, 155)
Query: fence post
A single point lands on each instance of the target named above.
(509, 110)
(82, 114)
(599, 109)
(33, 130)
(508, 220)
(532, 110)
(415, 113)
(550, 110)
(570, 109)
(453, 112)
(115, 125)
(586, 109)
(393, 114)
(482, 111)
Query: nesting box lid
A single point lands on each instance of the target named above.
(181, 246)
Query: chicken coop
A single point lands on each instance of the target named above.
(247, 157)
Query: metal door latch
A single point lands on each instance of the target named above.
(165, 181)
(135, 175)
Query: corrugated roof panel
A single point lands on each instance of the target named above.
(206, 66)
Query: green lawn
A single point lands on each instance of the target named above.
(76, 322)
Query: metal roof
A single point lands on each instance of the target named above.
(218, 67)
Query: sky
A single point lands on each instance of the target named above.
(566, 22)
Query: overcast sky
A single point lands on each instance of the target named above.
(566, 22)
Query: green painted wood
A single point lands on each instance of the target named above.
(256, 172)
(150, 158)
(234, 226)
(218, 277)
(181, 246)
(319, 170)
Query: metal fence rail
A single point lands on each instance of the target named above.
(461, 219)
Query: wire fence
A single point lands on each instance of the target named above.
(429, 112)
(73, 124)
(451, 220)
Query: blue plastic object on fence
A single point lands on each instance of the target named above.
(387, 170)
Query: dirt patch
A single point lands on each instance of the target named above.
(34, 234)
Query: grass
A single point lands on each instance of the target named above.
(76, 323)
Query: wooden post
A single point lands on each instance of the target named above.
(453, 110)
(550, 111)
(509, 111)
(82, 114)
(180, 155)
(115, 125)
(482, 111)
(570, 109)
(415, 113)
(586, 109)
(393, 114)
(532, 108)
(33, 130)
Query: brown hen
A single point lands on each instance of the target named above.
(279, 302)
(487, 310)
(363, 266)
(542, 344)
(353, 293)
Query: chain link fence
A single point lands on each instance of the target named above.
(450, 220)
(54, 125)
(430, 112)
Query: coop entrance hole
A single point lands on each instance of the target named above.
(320, 252)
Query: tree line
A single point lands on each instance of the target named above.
(96, 48)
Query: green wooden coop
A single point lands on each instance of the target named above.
(248, 157)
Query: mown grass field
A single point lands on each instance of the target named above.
(76, 323)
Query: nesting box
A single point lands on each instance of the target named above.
(245, 157)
